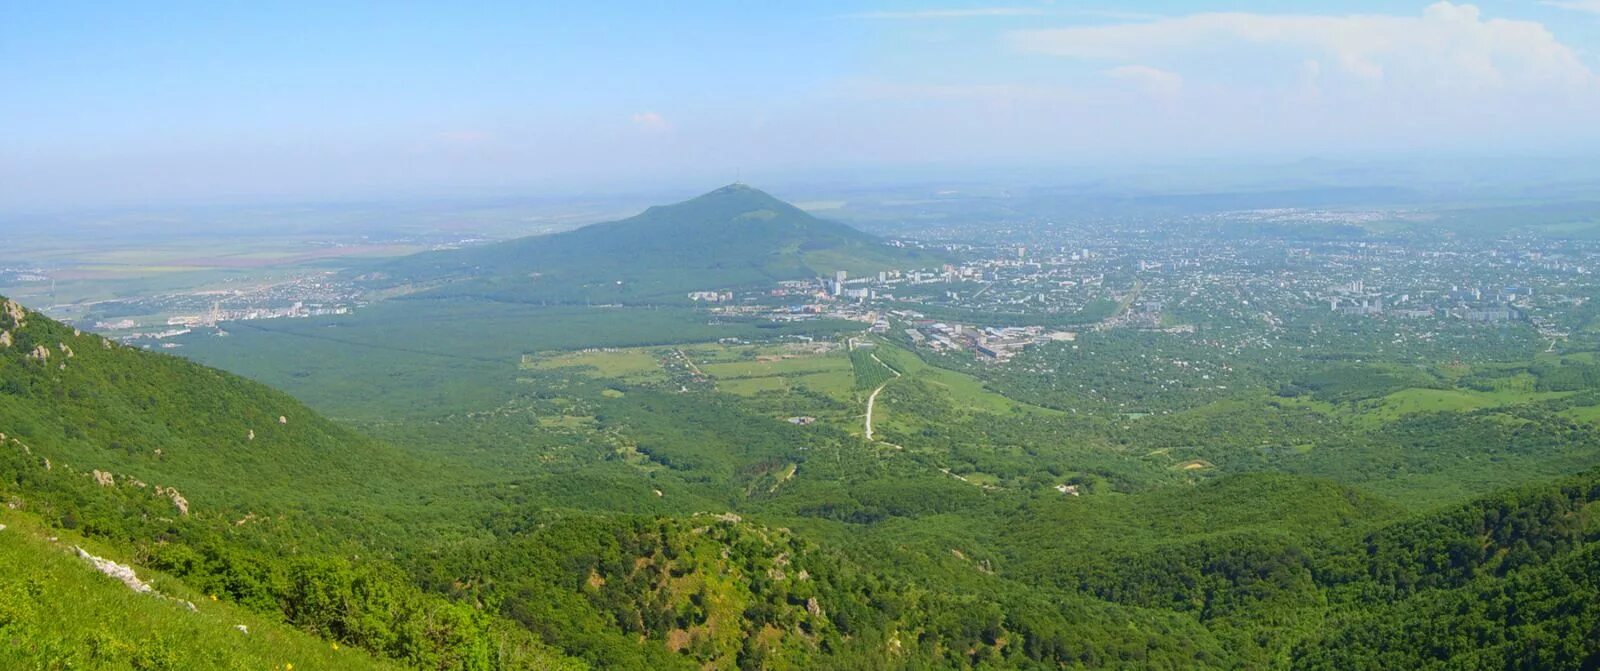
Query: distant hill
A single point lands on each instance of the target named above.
(734, 236)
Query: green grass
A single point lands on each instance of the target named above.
(964, 390)
(1415, 400)
(751, 386)
(780, 367)
(412, 358)
(870, 371)
(642, 364)
(58, 612)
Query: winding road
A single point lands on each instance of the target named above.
(873, 398)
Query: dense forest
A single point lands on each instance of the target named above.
(657, 530)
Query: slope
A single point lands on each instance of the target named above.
(56, 611)
(230, 488)
(733, 236)
(219, 439)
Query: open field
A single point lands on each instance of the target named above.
(634, 365)
(964, 390)
(737, 369)
(386, 360)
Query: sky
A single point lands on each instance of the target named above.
(113, 102)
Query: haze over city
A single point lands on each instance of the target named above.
(780, 336)
(126, 103)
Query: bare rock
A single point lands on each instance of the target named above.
(115, 570)
(813, 607)
(15, 311)
(103, 478)
(182, 504)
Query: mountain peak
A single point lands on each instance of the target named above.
(739, 189)
(733, 236)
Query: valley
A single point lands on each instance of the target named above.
(848, 336)
(802, 473)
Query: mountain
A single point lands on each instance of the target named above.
(734, 236)
(204, 483)
(237, 505)
(96, 404)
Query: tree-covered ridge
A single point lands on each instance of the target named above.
(217, 437)
(732, 237)
(233, 488)
(608, 542)
(332, 559)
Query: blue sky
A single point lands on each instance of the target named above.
(114, 102)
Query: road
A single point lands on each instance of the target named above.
(690, 363)
(872, 400)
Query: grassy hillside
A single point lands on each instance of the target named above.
(734, 236)
(97, 405)
(648, 508)
(232, 489)
(57, 611)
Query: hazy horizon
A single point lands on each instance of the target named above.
(117, 105)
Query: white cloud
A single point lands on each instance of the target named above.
(650, 121)
(1155, 82)
(1444, 77)
(1591, 6)
(1449, 47)
(950, 13)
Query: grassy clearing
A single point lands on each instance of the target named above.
(870, 372)
(964, 390)
(768, 368)
(1410, 401)
(639, 364)
(752, 369)
(751, 386)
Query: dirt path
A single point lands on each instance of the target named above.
(872, 400)
(690, 363)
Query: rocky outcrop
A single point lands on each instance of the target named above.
(103, 478)
(813, 607)
(115, 570)
(182, 504)
(5, 339)
(40, 353)
(14, 310)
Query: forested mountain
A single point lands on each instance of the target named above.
(214, 485)
(210, 486)
(734, 236)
